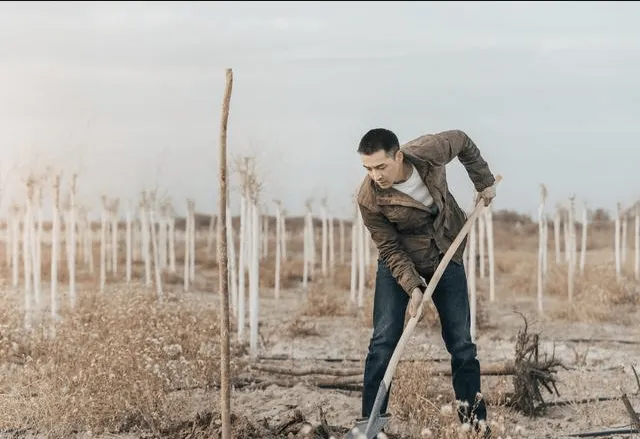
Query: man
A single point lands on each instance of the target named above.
(413, 219)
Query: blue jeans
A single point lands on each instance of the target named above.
(452, 303)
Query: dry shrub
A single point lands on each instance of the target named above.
(291, 271)
(169, 278)
(600, 236)
(597, 282)
(483, 320)
(82, 270)
(515, 262)
(425, 403)
(324, 300)
(14, 340)
(509, 237)
(301, 327)
(206, 262)
(111, 365)
(367, 308)
(597, 294)
(412, 386)
(519, 271)
(342, 277)
(295, 241)
(556, 282)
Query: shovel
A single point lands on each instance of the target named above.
(369, 428)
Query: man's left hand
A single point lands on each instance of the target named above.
(414, 303)
(488, 194)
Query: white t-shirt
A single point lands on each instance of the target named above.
(415, 188)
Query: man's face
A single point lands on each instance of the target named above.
(382, 169)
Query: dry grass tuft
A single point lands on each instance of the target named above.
(514, 262)
(597, 295)
(111, 366)
(169, 278)
(208, 262)
(291, 271)
(324, 299)
(425, 404)
(342, 277)
(301, 327)
(483, 320)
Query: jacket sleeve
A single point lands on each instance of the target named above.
(385, 236)
(456, 143)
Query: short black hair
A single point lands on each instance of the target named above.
(378, 139)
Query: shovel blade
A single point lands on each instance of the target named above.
(360, 430)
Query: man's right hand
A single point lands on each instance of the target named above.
(415, 301)
(488, 194)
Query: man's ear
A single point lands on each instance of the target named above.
(399, 156)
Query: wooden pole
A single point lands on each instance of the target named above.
(225, 388)
(471, 275)
(637, 240)
(491, 253)
(572, 247)
(583, 246)
(542, 247)
(617, 241)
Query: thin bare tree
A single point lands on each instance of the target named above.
(225, 352)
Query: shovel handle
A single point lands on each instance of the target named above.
(413, 321)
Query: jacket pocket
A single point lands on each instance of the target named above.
(396, 214)
(420, 248)
(454, 220)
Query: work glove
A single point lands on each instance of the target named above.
(488, 194)
(414, 302)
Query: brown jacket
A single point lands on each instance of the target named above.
(394, 219)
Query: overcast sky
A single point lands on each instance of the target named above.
(550, 93)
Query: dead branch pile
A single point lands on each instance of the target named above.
(264, 375)
(531, 373)
(294, 424)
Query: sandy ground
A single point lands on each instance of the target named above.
(596, 368)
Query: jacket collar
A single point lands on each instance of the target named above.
(393, 196)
